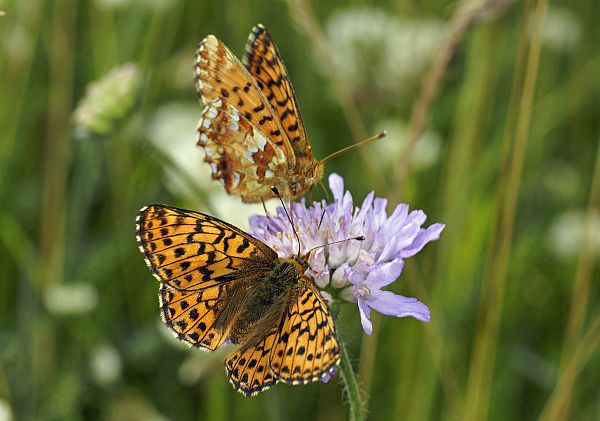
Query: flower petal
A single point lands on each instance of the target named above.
(327, 376)
(384, 274)
(432, 233)
(365, 312)
(336, 185)
(390, 304)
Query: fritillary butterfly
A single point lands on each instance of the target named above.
(218, 284)
(251, 130)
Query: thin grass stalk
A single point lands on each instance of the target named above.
(494, 279)
(434, 337)
(459, 24)
(16, 76)
(304, 16)
(585, 268)
(581, 291)
(368, 351)
(557, 406)
(462, 20)
(54, 185)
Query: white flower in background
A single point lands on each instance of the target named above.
(375, 49)
(71, 299)
(172, 130)
(390, 149)
(106, 365)
(108, 102)
(17, 43)
(6, 413)
(197, 364)
(562, 30)
(563, 181)
(567, 233)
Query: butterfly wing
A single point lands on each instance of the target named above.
(263, 61)
(302, 348)
(197, 259)
(307, 348)
(249, 369)
(242, 137)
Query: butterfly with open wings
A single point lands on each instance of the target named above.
(218, 284)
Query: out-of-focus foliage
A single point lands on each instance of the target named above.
(80, 333)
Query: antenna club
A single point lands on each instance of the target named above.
(382, 134)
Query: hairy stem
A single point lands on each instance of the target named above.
(351, 386)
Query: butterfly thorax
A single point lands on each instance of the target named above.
(304, 178)
(265, 301)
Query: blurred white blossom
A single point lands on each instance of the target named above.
(172, 130)
(374, 49)
(562, 180)
(108, 102)
(6, 413)
(106, 365)
(388, 150)
(197, 364)
(71, 299)
(562, 30)
(568, 231)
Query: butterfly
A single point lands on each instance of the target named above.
(219, 284)
(251, 129)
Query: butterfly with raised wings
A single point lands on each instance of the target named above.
(219, 284)
(251, 129)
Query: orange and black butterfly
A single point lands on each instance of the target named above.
(218, 285)
(251, 130)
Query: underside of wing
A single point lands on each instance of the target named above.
(263, 61)
(236, 111)
(240, 156)
(197, 258)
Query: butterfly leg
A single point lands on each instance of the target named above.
(264, 206)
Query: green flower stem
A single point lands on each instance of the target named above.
(351, 386)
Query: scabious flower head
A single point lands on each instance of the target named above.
(353, 270)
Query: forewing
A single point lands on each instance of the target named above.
(224, 83)
(307, 348)
(263, 61)
(197, 259)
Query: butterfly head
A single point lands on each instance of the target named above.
(311, 176)
(301, 260)
(317, 173)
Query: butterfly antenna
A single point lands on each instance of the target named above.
(378, 136)
(321, 220)
(358, 238)
(276, 192)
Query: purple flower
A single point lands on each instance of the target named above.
(354, 271)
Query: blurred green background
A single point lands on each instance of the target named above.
(508, 160)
